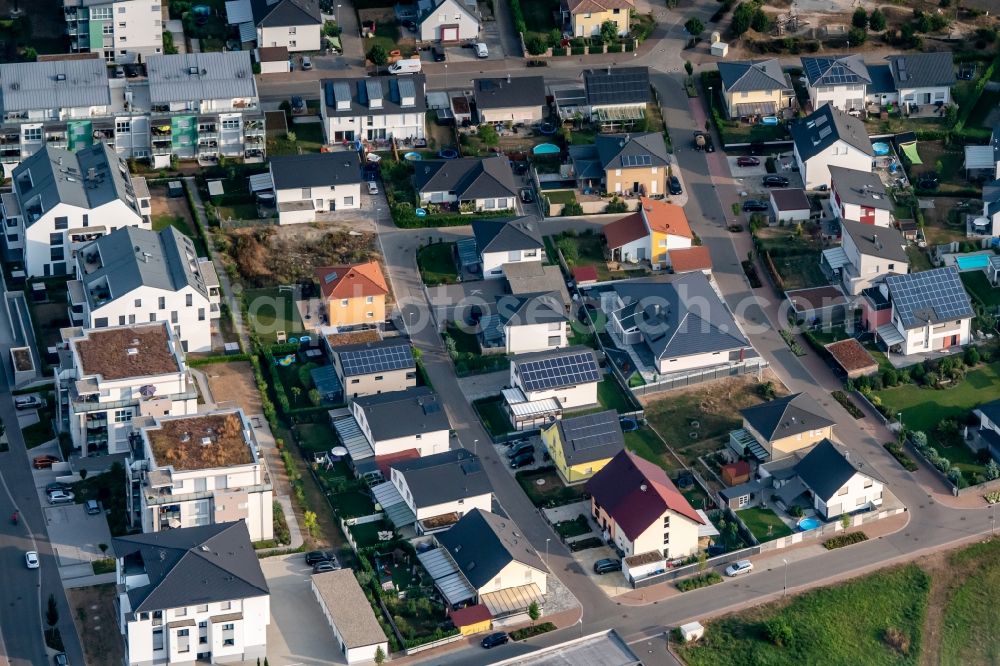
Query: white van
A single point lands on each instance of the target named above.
(410, 66)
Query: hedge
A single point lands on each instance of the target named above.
(703, 580)
(533, 630)
(845, 540)
(210, 360)
(405, 217)
(897, 452)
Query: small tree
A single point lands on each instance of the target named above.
(845, 520)
(379, 655)
(694, 27)
(52, 612)
(489, 136)
(83, 474)
(315, 397)
(309, 521)
(992, 471)
(702, 561)
(296, 392)
(377, 55)
(760, 21)
(860, 18)
(291, 136)
(609, 32)
(29, 54)
(534, 612)
(688, 67)
(876, 21)
(742, 16)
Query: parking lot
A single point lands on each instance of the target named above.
(76, 538)
(750, 179)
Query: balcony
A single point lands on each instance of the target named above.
(164, 496)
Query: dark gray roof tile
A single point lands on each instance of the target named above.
(483, 543)
(444, 477)
(753, 75)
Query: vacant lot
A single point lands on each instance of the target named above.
(96, 622)
(795, 255)
(437, 264)
(234, 382)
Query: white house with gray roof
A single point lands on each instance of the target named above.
(867, 254)
(134, 275)
(306, 186)
(62, 200)
(840, 81)
(121, 31)
(447, 21)
(923, 78)
(828, 136)
(511, 242)
(859, 196)
(441, 488)
(373, 108)
(931, 311)
(532, 322)
(474, 183)
(402, 420)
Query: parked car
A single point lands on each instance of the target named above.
(674, 185)
(526, 195)
(298, 106)
(754, 206)
(522, 460)
(31, 401)
(747, 161)
(438, 54)
(92, 506)
(372, 187)
(494, 640)
(57, 485)
(481, 50)
(775, 181)
(31, 559)
(306, 63)
(316, 556)
(323, 567)
(520, 448)
(61, 497)
(739, 568)
(44, 462)
(61, 659)
(607, 565)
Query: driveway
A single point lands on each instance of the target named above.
(76, 538)
(298, 633)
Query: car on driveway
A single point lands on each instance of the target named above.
(739, 568)
(31, 401)
(775, 181)
(57, 485)
(61, 497)
(438, 54)
(747, 161)
(44, 462)
(92, 506)
(316, 556)
(298, 106)
(307, 64)
(520, 448)
(755, 206)
(607, 565)
(495, 640)
(372, 187)
(526, 195)
(522, 460)
(674, 185)
(323, 567)
(481, 50)
(31, 559)
(61, 659)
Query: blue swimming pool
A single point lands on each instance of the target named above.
(880, 148)
(546, 149)
(973, 262)
(807, 524)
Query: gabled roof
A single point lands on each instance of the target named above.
(826, 468)
(557, 368)
(753, 75)
(884, 242)
(929, 297)
(53, 84)
(403, 413)
(824, 127)
(192, 566)
(483, 544)
(616, 86)
(450, 476)
(591, 437)
(349, 609)
(272, 53)
(636, 493)
(504, 93)
(859, 187)
(625, 230)
(355, 95)
(595, 6)
(190, 77)
(690, 259)
(630, 151)
(367, 358)
(315, 170)
(881, 80)
(836, 71)
(285, 13)
(528, 309)
(665, 218)
(530, 277)
(922, 70)
(352, 281)
(467, 177)
(786, 417)
(427, 9)
(500, 236)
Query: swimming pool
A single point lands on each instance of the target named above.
(880, 148)
(546, 149)
(807, 524)
(972, 262)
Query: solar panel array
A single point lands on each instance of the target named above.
(934, 295)
(376, 359)
(593, 430)
(621, 87)
(559, 371)
(636, 160)
(831, 74)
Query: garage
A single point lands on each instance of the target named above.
(449, 33)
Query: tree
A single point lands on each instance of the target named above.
(760, 21)
(860, 18)
(488, 135)
(694, 27)
(309, 521)
(779, 632)
(702, 560)
(992, 470)
(379, 655)
(315, 397)
(742, 16)
(876, 20)
(83, 474)
(377, 55)
(609, 31)
(534, 612)
(857, 36)
(688, 67)
(845, 521)
(29, 54)
(52, 613)
(296, 392)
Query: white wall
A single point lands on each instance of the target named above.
(925, 96)
(855, 496)
(683, 533)
(384, 125)
(516, 114)
(693, 362)
(143, 31)
(295, 38)
(493, 261)
(448, 13)
(426, 443)
(194, 323)
(462, 506)
(843, 97)
(535, 337)
(637, 250)
(515, 574)
(852, 211)
(323, 200)
(816, 171)
(568, 397)
(928, 338)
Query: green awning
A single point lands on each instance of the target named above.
(910, 150)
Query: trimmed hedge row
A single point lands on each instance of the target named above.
(845, 540)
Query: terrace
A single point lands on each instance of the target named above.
(200, 442)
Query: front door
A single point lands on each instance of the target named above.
(635, 187)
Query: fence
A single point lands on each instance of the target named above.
(828, 530)
(679, 572)
(243, 224)
(345, 523)
(748, 367)
(872, 408)
(433, 644)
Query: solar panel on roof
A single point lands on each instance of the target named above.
(376, 359)
(560, 371)
(374, 88)
(636, 160)
(329, 277)
(934, 295)
(341, 91)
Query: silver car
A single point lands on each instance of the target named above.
(739, 568)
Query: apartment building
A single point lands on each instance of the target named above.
(189, 594)
(135, 276)
(198, 469)
(121, 31)
(106, 377)
(62, 200)
(373, 108)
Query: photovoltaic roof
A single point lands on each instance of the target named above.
(929, 297)
(370, 358)
(558, 371)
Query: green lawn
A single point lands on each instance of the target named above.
(39, 433)
(575, 527)
(271, 310)
(833, 335)
(552, 492)
(647, 444)
(238, 211)
(315, 437)
(612, 396)
(844, 625)
(919, 261)
(353, 504)
(308, 139)
(971, 616)
(437, 264)
(800, 271)
(493, 416)
(367, 534)
(759, 520)
(978, 285)
(560, 196)
(924, 408)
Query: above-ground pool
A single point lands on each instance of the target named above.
(546, 149)
(413, 157)
(628, 425)
(807, 524)
(769, 120)
(547, 129)
(880, 148)
(972, 262)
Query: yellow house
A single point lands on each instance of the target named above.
(755, 88)
(787, 425)
(581, 446)
(634, 164)
(353, 294)
(584, 18)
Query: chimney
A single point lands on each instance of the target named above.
(643, 487)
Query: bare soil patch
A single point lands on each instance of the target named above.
(161, 204)
(234, 382)
(95, 619)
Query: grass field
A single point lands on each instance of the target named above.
(552, 492)
(924, 408)
(561, 196)
(315, 436)
(437, 264)
(977, 284)
(271, 310)
(161, 222)
(612, 396)
(648, 445)
(764, 523)
(971, 616)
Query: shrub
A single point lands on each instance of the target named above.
(897, 640)
(535, 630)
(845, 540)
(860, 18)
(971, 356)
(877, 20)
(779, 632)
(857, 36)
(616, 205)
(572, 208)
(899, 454)
(760, 21)
(535, 45)
(704, 580)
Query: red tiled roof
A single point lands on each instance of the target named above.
(463, 617)
(629, 228)
(585, 274)
(691, 259)
(385, 462)
(590, 6)
(738, 468)
(352, 281)
(666, 218)
(636, 493)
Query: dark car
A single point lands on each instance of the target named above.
(323, 567)
(523, 460)
(438, 53)
(607, 565)
(526, 195)
(44, 462)
(493, 640)
(520, 449)
(298, 105)
(755, 206)
(317, 556)
(747, 161)
(56, 485)
(775, 181)
(674, 185)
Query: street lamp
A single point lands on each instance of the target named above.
(710, 100)
(899, 417)
(338, 18)
(784, 588)
(475, 447)
(547, 550)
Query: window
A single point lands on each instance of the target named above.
(201, 314)
(587, 15)
(121, 24)
(62, 222)
(228, 638)
(554, 340)
(86, 220)
(369, 314)
(369, 299)
(348, 201)
(490, 204)
(306, 193)
(121, 10)
(152, 316)
(379, 378)
(189, 300)
(100, 13)
(203, 608)
(162, 303)
(57, 253)
(123, 415)
(869, 483)
(55, 239)
(173, 317)
(33, 134)
(226, 605)
(123, 126)
(101, 322)
(355, 381)
(131, 319)
(343, 302)
(157, 639)
(291, 30)
(183, 643)
(666, 522)
(108, 29)
(202, 633)
(231, 123)
(743, 501)
(138, 302)
(292, 43)
(180, 612)
(121, 38)
(843, 491)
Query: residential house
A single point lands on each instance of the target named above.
(923, 79)
(627, 164)
(56, 194)
(689, 260)
(581, 446)
(616, 97)
(569, 376)
(840, 81)
(755, 88)
(370, 368)
(510, 100)
(345, 606)
(790, 205)
(472, 183)
(308, 185)
(640, 510)
(135, 276)
(293, 24)
(497, 563)
(441, 488)
(121, 31)
(584, 18)
(834, 481)
(782, 426)
(402, 420)
(201, 469)
(930, 312)
(165, 619)
(859, 196)
(650, 234)
(531, 277)
(447, 21)
(273, 60)
(681, 322)
(867, 254)
(353, 294)
(511, 242)
(373, 108)
(528, 323)
(108, 376)
(829, 137)
(988, 224)
(988, 435)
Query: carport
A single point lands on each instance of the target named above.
(392, 503)
(354, 440)
(468, 253)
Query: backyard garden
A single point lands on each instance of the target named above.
(585, 249)
(437, 264)
(764, 524)
(791, 255)
(463, 348)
